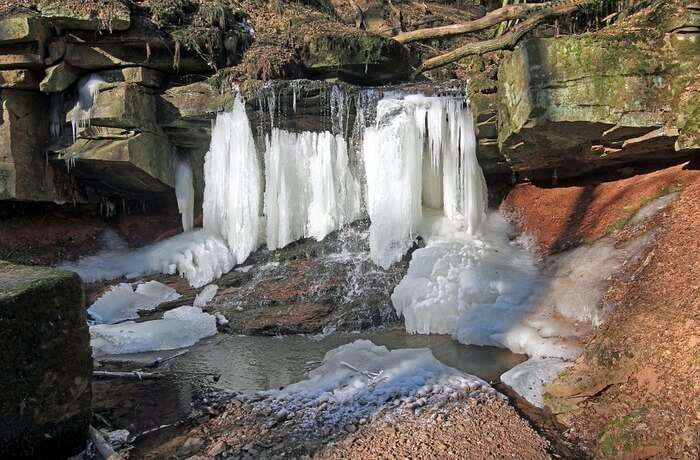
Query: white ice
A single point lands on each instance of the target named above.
(205, 295)
(181, 327)
(233, 183)
(359, 378)
(122, 302)
(184, 192)
(197, 256)
(309, 188)
(88, 89)
(528, 379)
(422, 151)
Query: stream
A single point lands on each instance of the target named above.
(247, 364)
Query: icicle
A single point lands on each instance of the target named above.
(392, 153)
(309, 189)
(421, 148)
(88, 88)
(184, 192)
(233, 183)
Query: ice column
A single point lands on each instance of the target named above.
(233, 183)
(309, 188)
(184, 192)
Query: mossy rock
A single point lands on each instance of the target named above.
(356, 57)
(45, 409)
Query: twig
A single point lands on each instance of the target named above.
(160, 361)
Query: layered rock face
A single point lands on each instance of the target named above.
(571, 105)
(46, 366)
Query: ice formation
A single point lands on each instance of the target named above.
(309, 188)
(197, 256)
(184, 193)
(122, 302)
(205, 295)
(358, 379)
(181, 327)
(233, 183)
(422, 150)
(528, 379)
(88, 88)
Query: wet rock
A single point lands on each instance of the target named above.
(45, 409)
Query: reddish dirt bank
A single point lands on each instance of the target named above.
(635, 393)
(563, 217)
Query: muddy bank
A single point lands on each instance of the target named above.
(634, 393)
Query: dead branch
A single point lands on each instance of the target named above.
(133, 375)
(103, 447)
(506, 13)
(508, 40)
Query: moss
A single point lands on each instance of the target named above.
(619, 435)
(628, 212)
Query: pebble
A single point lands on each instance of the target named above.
(350, 428)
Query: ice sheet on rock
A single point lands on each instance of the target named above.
(184, 192)
(358, 379)
(528, 379)
(205, 295)
(197, 256)
(233, 186)
(122, 302)
(181, 327)
(309, 188)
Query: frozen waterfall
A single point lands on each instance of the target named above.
(184, 193)
(309, 188)
(420, 152)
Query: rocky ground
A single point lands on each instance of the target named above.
(484, 427)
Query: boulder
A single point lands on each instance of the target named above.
(45, 409)
(24, 174)
(124, 105)
(122, 163)
(110, 15)
(356, 57)
(22, 28)
(570, 105)
(19, 79)
(59, 78)
(138, 75)
(101, 56)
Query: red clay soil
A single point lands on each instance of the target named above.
(559, 218)
(635, 393)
